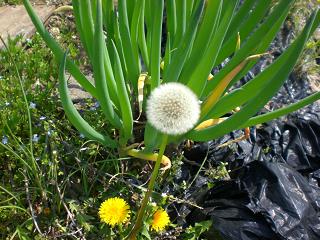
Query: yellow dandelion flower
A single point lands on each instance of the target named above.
(160, 220)
(114, 211)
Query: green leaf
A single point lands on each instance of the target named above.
(198, 78)
(126, 113)
(171, 20)
(99, 72)
(282, 111)
(77, 15)
(73, 115)
(262, 95)
(136, 18)
(179, 56)
(108, 16)
(86, 24)
(142, 37)
(257, 43)
(207, 28)
(180, 12)
(22, 233)
(152, 138)
(130, 57)
(240, 96)
(155, 57)
(243, 24)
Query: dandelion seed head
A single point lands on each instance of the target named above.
(173, 108)
(114, 211)
(160, 220)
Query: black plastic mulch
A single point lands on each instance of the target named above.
(274, 186)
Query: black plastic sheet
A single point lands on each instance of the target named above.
(274, 186)
(267, 200)
(274, 191)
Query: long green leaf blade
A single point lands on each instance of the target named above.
(244, 26)
(200, 74)
(131, 57)
(205, 33)
(263, 95)
(74, 116)
(282, 111)
(126, 113)
(172, 72)
(99, 71)
(256, 44)
(155, 58)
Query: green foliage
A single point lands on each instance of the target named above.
(55, 146)
(296, 19)
(194, 233)
(10, 2)
(200, 35)
(196, 37)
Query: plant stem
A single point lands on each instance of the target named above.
(138, 224)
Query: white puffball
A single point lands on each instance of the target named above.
(173, 108)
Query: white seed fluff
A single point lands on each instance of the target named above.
(173, 108)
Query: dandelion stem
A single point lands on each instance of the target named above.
(138, 224)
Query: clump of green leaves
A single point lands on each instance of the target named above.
(51, 136)
(297, 17)
(124, 44)
(199, 36)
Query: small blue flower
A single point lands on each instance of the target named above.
(49, 132)
(5, 140)
(1, 77)
(7, 104)
(81, 135)
(35, 138)
(32, 105)
(42, 118)
(97, 104)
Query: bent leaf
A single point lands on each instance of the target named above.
(74, 116)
